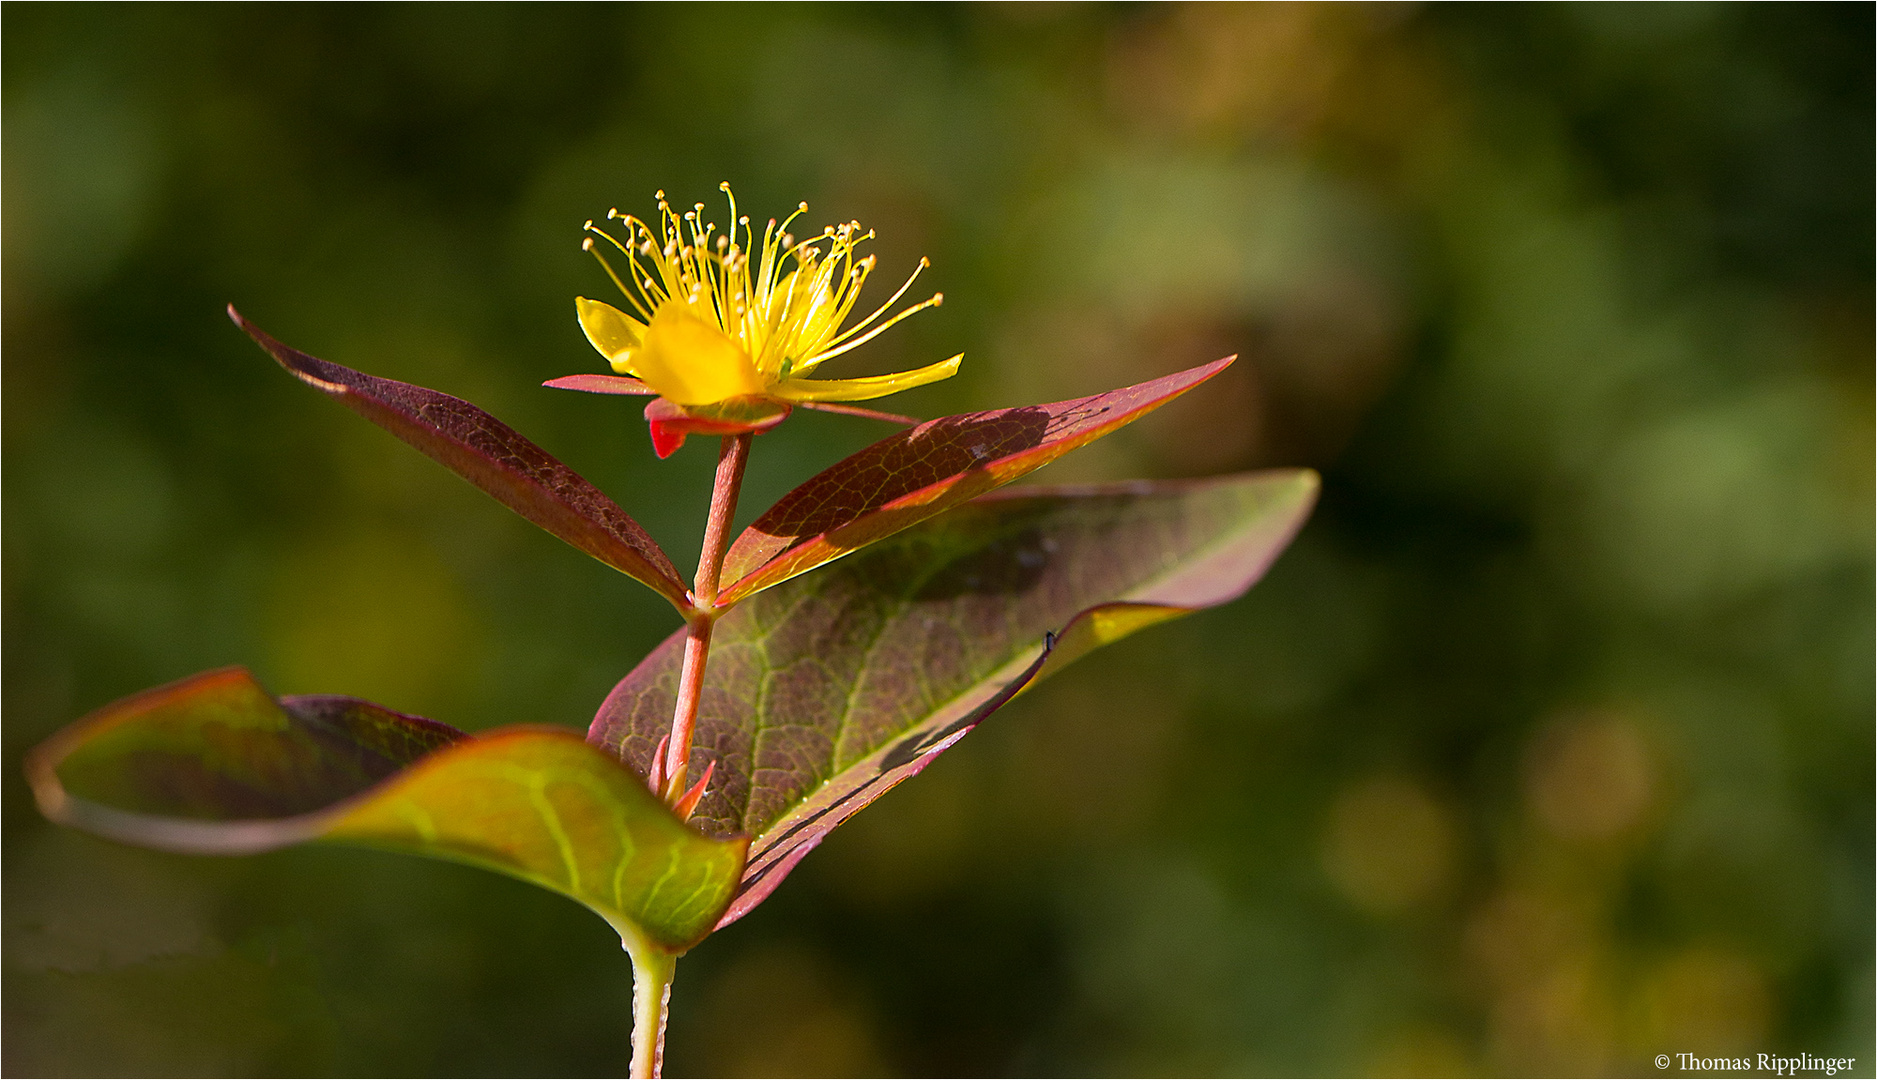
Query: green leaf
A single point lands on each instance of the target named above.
(213, 765)
(543, 805)
(824, 693)
(914, 475)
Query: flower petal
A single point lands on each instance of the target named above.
(601, 384)
(613, 332)
(872, 386)
(692, 362)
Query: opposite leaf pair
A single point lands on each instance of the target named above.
(821, 696)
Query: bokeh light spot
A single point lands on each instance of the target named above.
(1590, 777)
(1389, 845)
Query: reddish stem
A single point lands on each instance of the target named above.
(684, 715)
(731, 460)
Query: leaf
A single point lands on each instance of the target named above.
(213, 765)
(824, 693)
(495, 458)
(908, 477)
(543, 805)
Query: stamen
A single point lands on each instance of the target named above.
(935, 301)
(800, 209)
(894, 299)
(588, 246)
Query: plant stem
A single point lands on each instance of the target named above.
(652, 969)
(731, 460)
(684, 714)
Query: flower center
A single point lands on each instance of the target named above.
(719, 323)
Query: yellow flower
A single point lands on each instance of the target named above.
(711, 325)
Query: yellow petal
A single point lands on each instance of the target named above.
(691, 362)
(872, 386)
(613, 332)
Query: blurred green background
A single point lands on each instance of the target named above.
(1546, 749)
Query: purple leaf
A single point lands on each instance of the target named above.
(822, 694)
(495, 458)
